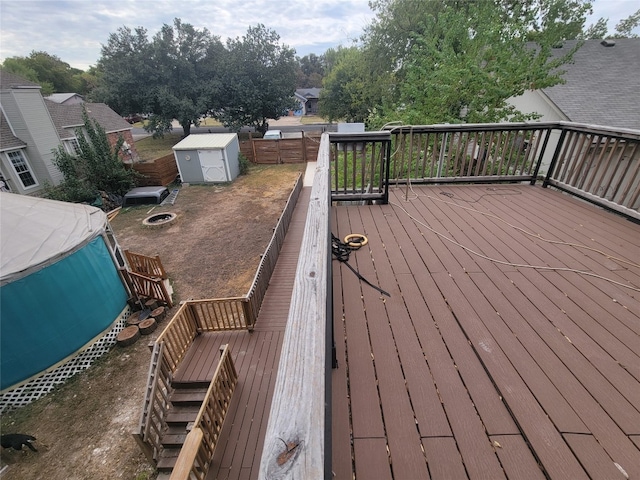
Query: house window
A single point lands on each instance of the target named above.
(22, 169)
(73, 147)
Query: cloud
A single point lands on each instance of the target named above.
(74, 30)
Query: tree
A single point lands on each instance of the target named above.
(259, 80)
(475, 62)
(344, 92)
(597, 30)
(624, 28)
(98, 166)
(311, 69)
(458, 60)
(51, 73)
(173, 76)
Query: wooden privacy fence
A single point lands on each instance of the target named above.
(285, 150)
(197, 452)
(161, 171)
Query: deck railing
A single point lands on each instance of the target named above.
(598, 164)
(294, 444)
(360, 166)
(156, 404)
(145, 265)
(258, 288)
(197, 452)
(210, 315)
(149, 287)
(469, 152)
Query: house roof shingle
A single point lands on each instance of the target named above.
(67, 118)
(62, 97)
(10, 80)
(309, 92)
(8, 140)
(602, 84)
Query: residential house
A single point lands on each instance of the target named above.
(32, 128)
(602, 86)
(308, 100)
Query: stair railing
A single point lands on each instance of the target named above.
(197, 452)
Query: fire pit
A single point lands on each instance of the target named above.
(159, 219)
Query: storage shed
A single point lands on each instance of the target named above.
(208, 158)
(60, 289)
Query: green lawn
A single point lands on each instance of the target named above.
(150, 148)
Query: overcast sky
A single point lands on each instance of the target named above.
(74, 30)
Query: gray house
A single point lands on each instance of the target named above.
(602, 86)
(32, 127)
(308, 100)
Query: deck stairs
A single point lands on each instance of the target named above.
(186, 400)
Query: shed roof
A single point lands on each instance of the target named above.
(203, 141)
(37, 231)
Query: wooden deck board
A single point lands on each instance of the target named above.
(256, 355)
(545, 363)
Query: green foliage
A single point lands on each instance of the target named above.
(344, 96)
(51, 73)
(175, 75)
(624, 28)
(97, 167)
(437, 61)
(244, 164)
(259, 80)
(597, 30)
(474, 63)
(310, 72)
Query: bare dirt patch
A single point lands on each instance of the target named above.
(84, 428)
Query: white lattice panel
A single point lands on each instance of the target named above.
(45, 383)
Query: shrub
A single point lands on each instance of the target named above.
(97, 167)
(244, 164)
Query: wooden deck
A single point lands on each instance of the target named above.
(481, 369)
(256, 356)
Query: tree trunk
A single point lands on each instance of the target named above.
(186, 128)
(128, 335)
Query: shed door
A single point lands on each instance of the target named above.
(213, 168)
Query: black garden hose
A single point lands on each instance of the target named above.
(342, 250)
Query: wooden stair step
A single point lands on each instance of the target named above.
(188, 396)
(182, 415)
(173, 439)
(194, 384)
(167, 459)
